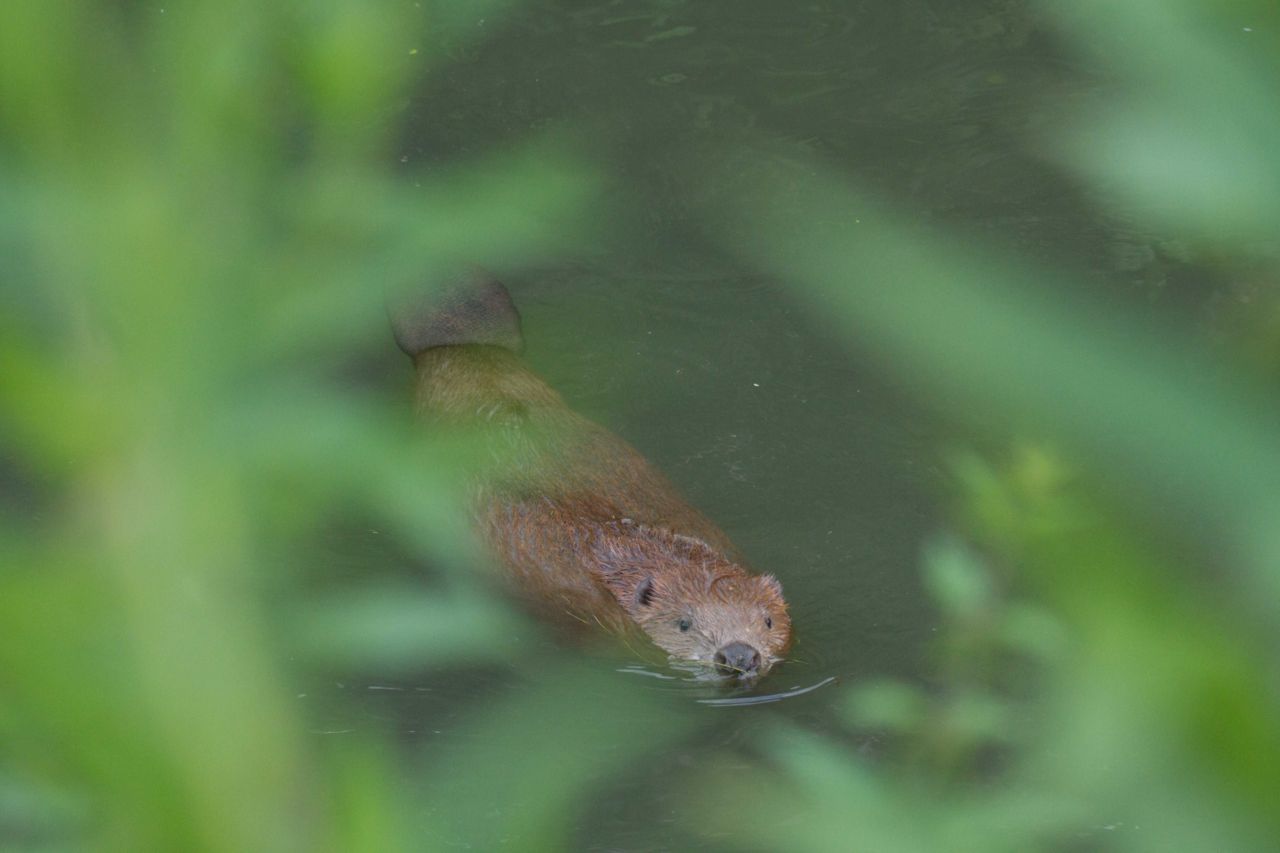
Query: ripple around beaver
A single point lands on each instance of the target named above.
(734, 701)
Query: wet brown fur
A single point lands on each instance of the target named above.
(584, 526)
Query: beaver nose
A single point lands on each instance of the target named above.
(739, 658)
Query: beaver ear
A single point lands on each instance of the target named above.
(644, 592)
(772, 584)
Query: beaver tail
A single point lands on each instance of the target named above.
(475, 309)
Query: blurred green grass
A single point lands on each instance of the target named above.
(200, 202)
(198, 212)
(1155, 724)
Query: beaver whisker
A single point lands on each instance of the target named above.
(570, 613)
(626, 641)
(705, 636)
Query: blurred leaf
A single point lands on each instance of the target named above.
(821, 799)
(957, 581)
(1191, 144)
(405, 630)
(888, 704)
(369, 798)
(38, 817)
(489, 786)
(978, 717)
(206, 219)
(1033, 631)
(981, 334)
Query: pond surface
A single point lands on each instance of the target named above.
(807, 451)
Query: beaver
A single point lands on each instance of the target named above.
(581, 523)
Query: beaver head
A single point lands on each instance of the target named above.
(719, 615)
(697, 605)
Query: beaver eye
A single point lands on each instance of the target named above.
(684, 624)
(768, 621)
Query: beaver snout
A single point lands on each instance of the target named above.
(738, 658)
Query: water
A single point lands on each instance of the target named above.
(808, 452)
(816, 466)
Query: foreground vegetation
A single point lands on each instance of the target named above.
(198, 221)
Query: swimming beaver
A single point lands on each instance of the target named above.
(580, 521)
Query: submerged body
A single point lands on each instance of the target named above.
(583, 526)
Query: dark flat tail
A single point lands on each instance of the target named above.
(473, 309)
